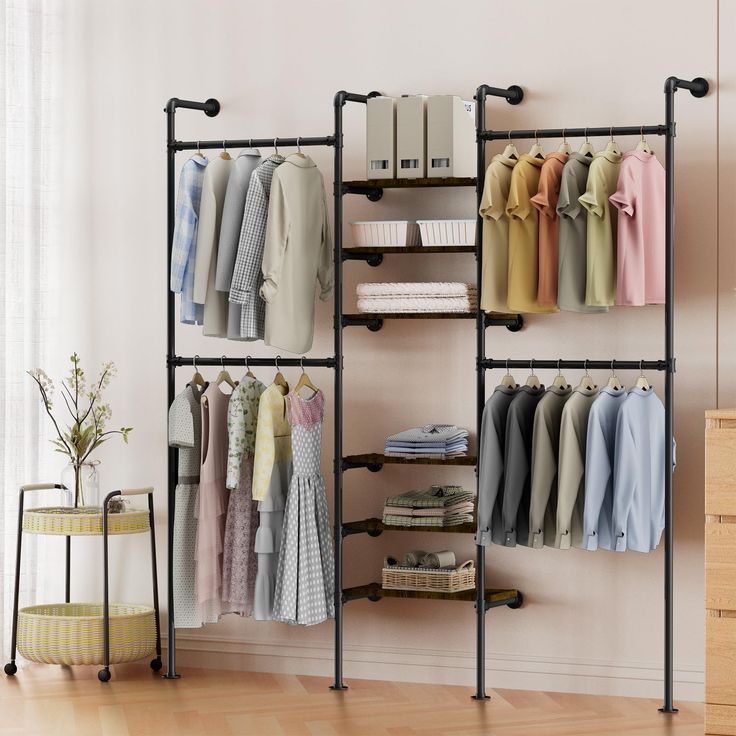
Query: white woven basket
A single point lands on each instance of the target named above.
(447, 232)
(385, 233)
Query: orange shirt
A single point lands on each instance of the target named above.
(545, 200)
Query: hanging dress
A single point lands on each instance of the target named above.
(212, 503)
(305, 579)
(271, 476)
(185, 433)
(239, 564)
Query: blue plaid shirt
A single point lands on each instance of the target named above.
(184, 247)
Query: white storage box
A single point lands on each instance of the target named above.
(380, 138)
(387, 233)
(447, 232)
(451, 146)
(411, 137)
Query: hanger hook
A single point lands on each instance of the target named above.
(275, 147)
(536, 137)
(222, 361)
(642, 134)
(250, 143)
(613, 369)
(564, 137)
(510, 141)
(611, 132)
(586, 135)
(301, 364)
(508, 372)
(224, 145)
(531, 366)
(298, 144)
(194, 361)
(276, 360)
(641, 368)
(247, 364)
(586, 367)
(198, 151)
(559, 370)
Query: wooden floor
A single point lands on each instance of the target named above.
(59, 701)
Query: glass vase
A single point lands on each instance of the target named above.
(83, 482)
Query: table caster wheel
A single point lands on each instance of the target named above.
(156, 664)
(10, 669)
(104, 675)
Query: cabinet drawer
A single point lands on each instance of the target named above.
(720, 472)
(720, 720)
(720, 566)
(720, 661)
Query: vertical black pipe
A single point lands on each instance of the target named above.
(154, 577)
(170, 386)
(104, 674)
(16, 585)
(669, 390)
(480, 333)
(339, 104)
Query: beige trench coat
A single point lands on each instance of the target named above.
(297, 254)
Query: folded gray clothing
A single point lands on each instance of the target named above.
(429, 433)
(437, 521)
(436, 560)
(465, 507)
(437, 496)
(424, 455)
(413, 558)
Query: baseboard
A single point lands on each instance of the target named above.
(503, 670)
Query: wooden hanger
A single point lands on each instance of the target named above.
(224, 376)
(586, 382)
(613, 381)
(197, 378)
(587, 148)
(510, 150)
(642, 145)
(560, 380)
(532, 381)
(508, 380)
(279, 379)
(249, 373)
(304, 381)
(565, 147)
(612, 146)
(642, 382)
(536, 151)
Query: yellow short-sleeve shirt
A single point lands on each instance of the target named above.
(523, 268)
(600, 276)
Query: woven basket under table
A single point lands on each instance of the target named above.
(83, 521)
(442, 580)
(71, 633)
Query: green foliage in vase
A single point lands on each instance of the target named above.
(80, 437)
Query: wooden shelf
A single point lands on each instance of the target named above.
(403, 249)
(378, 459)
(466, 181)
(494, 596)
(376, 526)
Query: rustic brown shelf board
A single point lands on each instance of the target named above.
(411, 315)
(376, 525)
(465, 181)
(400, 250)
(378, 459)
(496, 596)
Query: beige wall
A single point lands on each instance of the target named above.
(592, 621)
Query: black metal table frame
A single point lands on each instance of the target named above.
(104, 674)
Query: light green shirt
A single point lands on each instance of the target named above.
(600, 282)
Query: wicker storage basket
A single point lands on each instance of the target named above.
(386, 233)
(447, 232)
(443, 580)
(86, 520)
(71, 633)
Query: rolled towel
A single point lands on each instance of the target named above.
(413, 558)
(435, 560)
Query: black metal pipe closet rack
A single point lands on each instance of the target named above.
(484, 598)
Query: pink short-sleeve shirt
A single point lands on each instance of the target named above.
(641, 248)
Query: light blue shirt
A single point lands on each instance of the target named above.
(184, 246)
(638, 474)
(599, 462)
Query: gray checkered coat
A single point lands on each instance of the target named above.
(247, 275)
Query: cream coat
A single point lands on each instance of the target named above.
(297, 254)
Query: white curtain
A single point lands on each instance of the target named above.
(29, 174)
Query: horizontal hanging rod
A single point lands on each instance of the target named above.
(497, 135)
(327, 140)
(178, 361)
(622, 365)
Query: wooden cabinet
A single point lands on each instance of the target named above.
(720, 572)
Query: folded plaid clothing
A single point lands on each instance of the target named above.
(438, 521)
(408, 305)
(411, 288)
(458, 508)
(436, 497)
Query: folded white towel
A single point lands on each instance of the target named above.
(417, 304)
(430, 288)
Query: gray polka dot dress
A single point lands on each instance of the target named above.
(305, 577)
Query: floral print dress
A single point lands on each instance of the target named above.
(305, 577)
(239, 561)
